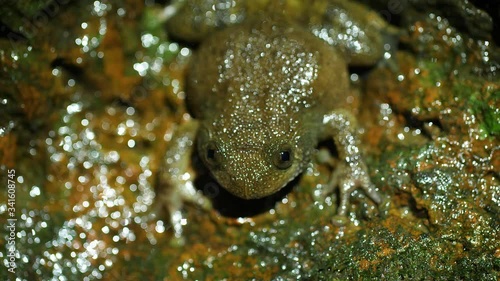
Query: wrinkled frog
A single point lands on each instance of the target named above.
(263, 92)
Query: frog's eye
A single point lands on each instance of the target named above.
(212, 154)
(283, 157)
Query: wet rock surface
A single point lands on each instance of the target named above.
(89, 96)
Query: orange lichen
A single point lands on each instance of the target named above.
(8, 148)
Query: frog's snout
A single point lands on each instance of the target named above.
(249, 175)
(249, 191)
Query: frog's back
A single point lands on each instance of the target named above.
(265, 68)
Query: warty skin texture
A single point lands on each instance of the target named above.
(259, 88)
(263, 94)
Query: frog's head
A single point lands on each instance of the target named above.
(253, 162)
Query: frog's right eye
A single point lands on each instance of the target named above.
(212, 154)
(283, 157)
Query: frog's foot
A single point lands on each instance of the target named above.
(174, 185)
(348, 177)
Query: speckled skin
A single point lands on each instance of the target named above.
(350, 27)
(257, 88)
(263, 94)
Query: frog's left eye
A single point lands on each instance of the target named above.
(283, 157)
(212, 154)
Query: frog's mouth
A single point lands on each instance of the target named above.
(253, 192)
(256, 186)
(251, 173)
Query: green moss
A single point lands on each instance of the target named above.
(483, 104)
(153, 25)
(488, 108)
(404, 259)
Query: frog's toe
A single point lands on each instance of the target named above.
(339, 220)
(177, 242)
(175, 223)
(172, 195)
(370, 190)
(350, 178)
(190, 194)
(384, 205)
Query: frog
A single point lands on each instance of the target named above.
(262, 93)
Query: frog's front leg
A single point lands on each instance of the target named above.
(351, 172)
(174, 183)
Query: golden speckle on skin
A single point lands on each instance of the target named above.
(263, 86)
